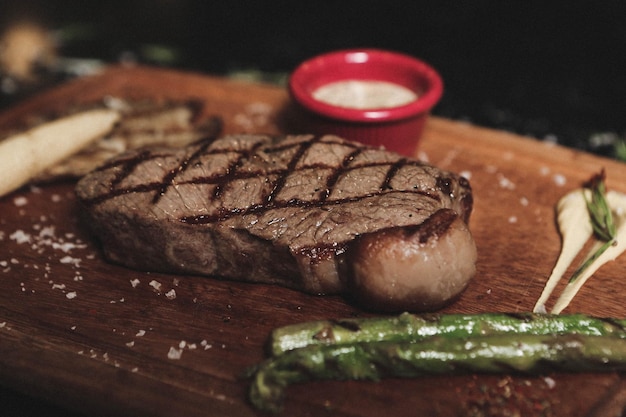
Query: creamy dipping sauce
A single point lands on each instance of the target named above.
(575, 228)
(359, 94)
(617, 204)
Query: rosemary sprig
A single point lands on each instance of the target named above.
(601, 221)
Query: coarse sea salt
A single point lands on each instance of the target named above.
(559, 180)
(65, 247)
(20, 236)
(505, 182)
(20, 201)
(551, 383)
(174, 354)
(70, 260)
(156, 285)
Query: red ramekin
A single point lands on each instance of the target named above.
(397, 128)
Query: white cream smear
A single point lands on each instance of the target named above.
(364, 94)
(575, 228)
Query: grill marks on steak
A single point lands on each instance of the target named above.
(330, 183)
(259, 201)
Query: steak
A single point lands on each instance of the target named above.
(318, 214)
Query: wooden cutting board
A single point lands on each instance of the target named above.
(104, 340)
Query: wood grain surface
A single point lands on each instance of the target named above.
(104, 340)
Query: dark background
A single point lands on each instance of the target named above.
(553, 70)
(549, 69)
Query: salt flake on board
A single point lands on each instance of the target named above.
(70, 260)
(156, 285)
(20, 201)
(551, 383)
(559, 179)
(65, 247)
(506, 183)
(46, 231)
(20, 237)
(174, 354)
(491, 169)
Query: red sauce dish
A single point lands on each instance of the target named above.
(396, 127)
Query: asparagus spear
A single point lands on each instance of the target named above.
(410, 328)
(527, 353)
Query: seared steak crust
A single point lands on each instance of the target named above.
(281, 210)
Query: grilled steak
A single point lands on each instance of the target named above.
(319, 214)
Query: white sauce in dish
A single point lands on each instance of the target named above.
(363, 94)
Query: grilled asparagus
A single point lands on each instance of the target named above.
(411, 327)
(506, 353)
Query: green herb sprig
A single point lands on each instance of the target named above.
(601, 221)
